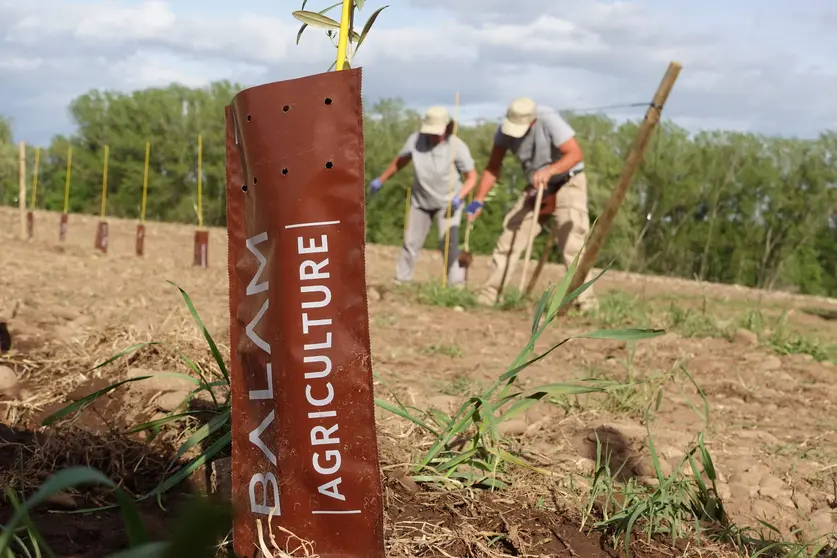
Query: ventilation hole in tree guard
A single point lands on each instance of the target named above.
(328, 100)
(249, 118)
(329, 165)
(286, 108)
(284, 172)
(244, 188)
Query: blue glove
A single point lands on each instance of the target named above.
(375, 185)
(473, 207)
(455, 203)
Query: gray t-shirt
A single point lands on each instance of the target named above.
(432, 169)
(539, 147)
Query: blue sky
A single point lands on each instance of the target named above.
(753, 65)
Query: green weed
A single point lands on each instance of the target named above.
(778, 336)
(451, 350)
(512, 299)
(618, 309)
(690, 323)
(435, 294)
(478, 458)
(460, 385)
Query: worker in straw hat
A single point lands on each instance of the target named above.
(431, 150)
(551, 158)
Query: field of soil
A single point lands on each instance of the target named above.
(762, 360)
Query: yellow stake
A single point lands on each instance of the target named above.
(407, 208)
(343, 39)
(200, 181)
(453, 173)
(67, 179)
(105, 185)
(145, 182)
(35, 178)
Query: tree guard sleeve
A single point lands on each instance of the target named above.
(304, 442)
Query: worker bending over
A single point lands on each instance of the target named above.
(551, 158)
(430, 149)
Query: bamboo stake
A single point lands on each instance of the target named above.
(103, 211)
(67, 179)
(632, 163)
(145, 182)
(532, 228)
(200, 181)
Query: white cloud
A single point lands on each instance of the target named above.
(566, 54)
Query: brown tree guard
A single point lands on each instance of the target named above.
(140, 242)
(101, 243)
(303, 417)
(632, 162)
(201, 251)
(62, 227)
(30, 225)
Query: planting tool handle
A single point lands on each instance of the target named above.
(532, 229)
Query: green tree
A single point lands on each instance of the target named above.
(720, 206)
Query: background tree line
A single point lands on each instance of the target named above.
(720, 206)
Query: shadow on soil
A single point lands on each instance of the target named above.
(28, 458)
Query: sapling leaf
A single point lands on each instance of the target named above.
(368, 25)
(216, 354)
(316, 20)
(322, 12)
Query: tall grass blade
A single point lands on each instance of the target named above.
(216, 354)
(184, 472)
(402, 412)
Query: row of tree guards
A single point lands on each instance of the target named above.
(102, 238)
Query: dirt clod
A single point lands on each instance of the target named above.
(745, 337)
(8, 378)
(158, 381)
(172, 400)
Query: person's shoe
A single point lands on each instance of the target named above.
(487, 297)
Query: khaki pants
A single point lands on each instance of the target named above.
(572, 223)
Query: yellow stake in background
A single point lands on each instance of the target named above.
(145, 182)
(35, 178)
(200, 181)
(105, 185)
(67, 179)
(453, 173)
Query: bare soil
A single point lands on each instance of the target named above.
(771, 429)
